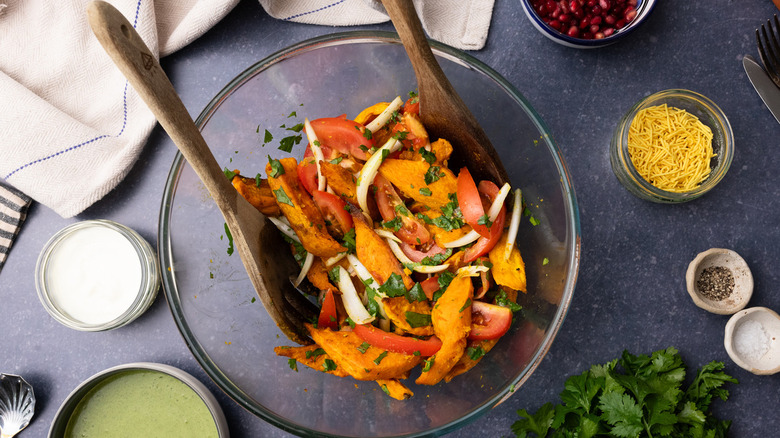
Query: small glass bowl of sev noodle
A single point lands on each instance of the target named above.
(672, 146)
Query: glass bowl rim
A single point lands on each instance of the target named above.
(357, 37)
(643, 12)
(723, 126)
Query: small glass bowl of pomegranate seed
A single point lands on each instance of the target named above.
(586, 24)
(695, 104)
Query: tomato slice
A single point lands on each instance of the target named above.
(412, 105)
(416, 255)
(430, 286)
(343, 135)
(397, 343)
(334, 211)
(412, 230)
(489, 321)
(328, 317)
(485, 244)
(470, 203)
(307, 174)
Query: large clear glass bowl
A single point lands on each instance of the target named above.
(213, 301)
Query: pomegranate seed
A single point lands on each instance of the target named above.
(573, 32)
(564, 6)
(608, 31)
(564, 18)
(574, 5)
(594, 28)
(555, 24)
(632, 3)
(592, 3)
(595, 20)
(630, 15)
(598, 36)
(604, 4)
(586, 19)
(587, 36)
(620, 24)
(550, 5)
(584, 23)
(610, 19)
(579, 13)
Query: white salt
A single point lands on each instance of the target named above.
(751, 340)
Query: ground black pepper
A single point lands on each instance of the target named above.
(715, 283)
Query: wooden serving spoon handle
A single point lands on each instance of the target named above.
(442, 111)
(257, 242)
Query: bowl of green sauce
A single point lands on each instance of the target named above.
(149, 399)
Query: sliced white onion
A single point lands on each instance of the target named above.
(351, 300)
(399, 253)
(333, 260)
(465, 240)
(285, 228)
(514, 224)
(365, 276)
(425, 269)
(386, 234)
(370, 170)
(384, 117)
(493, 211)
(305, 269)
(317, 151)
(472, 270)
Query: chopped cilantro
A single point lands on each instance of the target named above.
(427, 155)
(268, 137)
(293, 114)
(229, 174)
(534, 221)
(424, 218)
(475, 353)
(416, 293)
(466, 305)
(394, 224)
(281, 197)
(286, 144)
(336, 160)
(296, 128)
(433, 174)
(258, 180)
(367, 134)
(314, 353)
(329, 365)
(276, 168)
(418, 319)
(437, 259)
(384, 388)
(545, 261)
(293, 364)
(425, 191)
(363, 347)
(400, 135)
(503, 301)
(400, 208)
(333, 274)
(428, 363)
(349, 241)
(485, 220)
(379, 358)
(230, 240)
(394, 286)
(350, 322)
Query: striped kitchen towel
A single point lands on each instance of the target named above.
(13, 211)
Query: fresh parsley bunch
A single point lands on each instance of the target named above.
(646, 399)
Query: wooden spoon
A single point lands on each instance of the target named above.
(254, 236)
(441, 109)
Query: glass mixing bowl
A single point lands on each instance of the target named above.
(212, 299)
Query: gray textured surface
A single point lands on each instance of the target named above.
(631, 291)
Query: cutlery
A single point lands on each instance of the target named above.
(17, 405)
(442, 111)
(770, 55)
(255, 238)
(766, 89)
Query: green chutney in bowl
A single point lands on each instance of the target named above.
(142, 399)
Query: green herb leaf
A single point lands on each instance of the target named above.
(394, 224)
(230, 240)
(276, 168)
(267, 138)
(229, 174)
(336, 160)
(474, 353)
(329, 365)
(293, 364)
(349, 241)
(363, 347)
(418, 319)
(394, 286)
(314, 353)
(485, 220)
(293, 114)
(437, 259)
(428, 363)
(334, 274)
(416, 293)
(433, 174)
(427, 155)
(286, 144)
(367, 134)
(296, 128)
(425, 191)
(379, 358)
(281, 196)
(502, 300)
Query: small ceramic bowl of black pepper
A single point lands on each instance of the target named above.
(719, 281)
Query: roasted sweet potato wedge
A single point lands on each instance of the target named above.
(396, 309)
(395, 389)
(359, 360)
(410, 178)
(313, 356)
(452, 322)
(375, 254)
(510, 272)
(258, 192)
(305, 218)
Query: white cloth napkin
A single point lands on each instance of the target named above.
(70, 125)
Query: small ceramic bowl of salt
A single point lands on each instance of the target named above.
(752, 340)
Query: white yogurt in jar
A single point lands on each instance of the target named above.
(93, 274)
